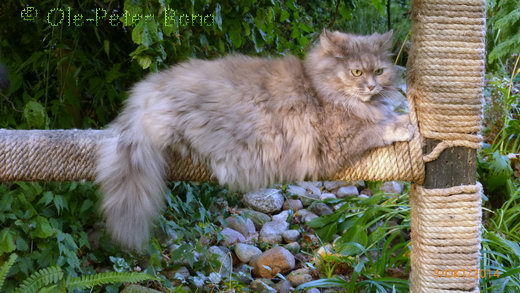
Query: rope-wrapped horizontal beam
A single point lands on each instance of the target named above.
(64, 155)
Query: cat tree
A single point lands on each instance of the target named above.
(445, 84)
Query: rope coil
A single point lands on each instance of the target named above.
(442, 244)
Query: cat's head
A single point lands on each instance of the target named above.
(345, 66)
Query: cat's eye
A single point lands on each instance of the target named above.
(379, 71)
(356, 72)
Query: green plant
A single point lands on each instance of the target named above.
(51, 279)
(4, 269)
(503, 35)
(372, 253)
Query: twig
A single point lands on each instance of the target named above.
(333, 20)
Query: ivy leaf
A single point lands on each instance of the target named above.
(43, 228)
(46, 198)
(60, 203)
(235, 36)
(284, 15)
(499, 171)
(7, 242)
(34, 114)
(218, 16)
(144, 61)
(141, 34)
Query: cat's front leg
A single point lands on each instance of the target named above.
(401, 129)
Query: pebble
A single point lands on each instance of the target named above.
(392, 187)
(262, 286)
(312, 187)
(281, 216)
(224, 259)
(338, 206)
(290, 235)
(332, 185)
(347, 191)
(296, 190)
(321, 209)
(306, 216)
(243, 225)
(243, 273)
(299, 277)
(325, 250)
(231, 237)
(293, 204)
(309, 198)
(325, 196)
(182, 272)
(278, 259)
(258, 218)
(265, 200)
(272, 231)
(313, 290)
(246, 252)
(283, 286)
(293, 247)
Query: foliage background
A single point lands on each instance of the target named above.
(77, 77)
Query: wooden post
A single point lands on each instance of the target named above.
(455, 166)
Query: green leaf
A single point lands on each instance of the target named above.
(7, 242)
(235, 36)
(21, 244)
(499, 171)
(327, 232)
(321, 222)
(141, 34)
(46, 198)
(284, 15)
(61, 203)
(377, 235)
(218, 16)
(144, 61)
(43, 228)
(40, 279)
(353, 278)
(4, 269)
(106, 47)
(505, 48)
(324, 283)
(34, 114)
(89, 281)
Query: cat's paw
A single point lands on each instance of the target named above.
(400, 130)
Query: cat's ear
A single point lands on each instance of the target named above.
(385, 40)
(327, 41)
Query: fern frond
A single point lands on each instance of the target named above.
(5, 268)
(506, 48)
(89, 281)
(41, 278)
(508, 19)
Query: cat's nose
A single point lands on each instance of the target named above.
(371, 87)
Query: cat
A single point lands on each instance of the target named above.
(253, 121)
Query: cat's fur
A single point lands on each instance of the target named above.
(253, 121)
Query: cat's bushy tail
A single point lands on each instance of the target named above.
(130, 172)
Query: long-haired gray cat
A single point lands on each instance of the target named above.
(252, 121)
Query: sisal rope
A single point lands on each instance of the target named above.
(63, 155)
(445, 239)
(445, 80)
(447, 72)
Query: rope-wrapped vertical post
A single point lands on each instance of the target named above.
(445, 81)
